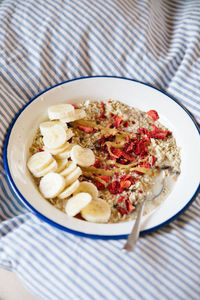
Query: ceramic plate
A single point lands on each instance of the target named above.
(140, 95)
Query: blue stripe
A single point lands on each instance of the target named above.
(18, 241)
(140, 263)
(57, 237)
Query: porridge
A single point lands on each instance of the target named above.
(98, 160)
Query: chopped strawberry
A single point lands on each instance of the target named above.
(41, 150)
(102, 112)
(104, 177)
(133, 122)
(124, 184)
(74, 105)
(100, 186)
(128, 156)
(97, 163)
(105, 167)
(85, 129)
(121, 210)
(140, 148)
(153, 114)
(122, 161)
(114, 187)
(120, 200)
(129, 206)
(153, 159)
(116, 152)
(145, 165)
(118, 121)
(126, 124)
(143, 131)
(156, 133)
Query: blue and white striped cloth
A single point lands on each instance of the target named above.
(43, 43)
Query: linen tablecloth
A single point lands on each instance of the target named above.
(43, 43)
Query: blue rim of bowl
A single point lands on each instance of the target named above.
(56, 225)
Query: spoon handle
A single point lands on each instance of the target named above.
(133, 236)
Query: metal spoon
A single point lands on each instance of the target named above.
(133, 236)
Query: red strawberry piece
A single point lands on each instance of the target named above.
(126, 124)
(128, 156)
(74, 105)
(121, 210)
(125, 184)
(105, 178)
(97, 163)
(120, 200)
(153, 114)
(102, 112)
(145, 165)
(129, 206)
(85, 129)
(114, 187)
(118, 121)
(100, 186)
(41, 150)
(105, 167)
(153, 159)
(116, 152)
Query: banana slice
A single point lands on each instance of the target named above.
(60, 111)
(70, 167)
(62, 163)
(65, 153)
(76, 203)
(58, 150)
(97, 211)
(39, 161)
(50, 168)
(44, 126)
(69, 190)
(83, 157)
(51, 185)
(55, 137)
(74, 115)
(88, 187)
(73, 176)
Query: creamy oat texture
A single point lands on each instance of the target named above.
(131, 148)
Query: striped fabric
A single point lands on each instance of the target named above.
(46, 42)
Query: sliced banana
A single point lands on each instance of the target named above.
(59, 111)
(69, 190)
(62, 163)
(97, 211)
(88, 187)
(65, 153)
(50, 168)
(76, 203)
(74, 115)
(58, 150)
(73, 176)
(83, 157)
(51, 185)
(55, 137)
(44, 126)
(39, 161)
(70, 167)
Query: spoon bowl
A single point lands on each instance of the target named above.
(157, 189)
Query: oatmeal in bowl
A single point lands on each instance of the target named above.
(97, 160)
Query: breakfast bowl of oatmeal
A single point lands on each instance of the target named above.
(83, 154)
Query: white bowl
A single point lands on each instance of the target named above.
(172, 115)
